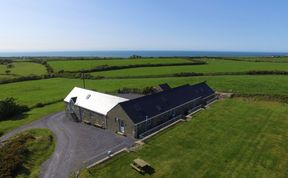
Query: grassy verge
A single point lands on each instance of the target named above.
(232, 138)
(6, 126)
(31, 148)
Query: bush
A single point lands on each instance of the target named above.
(12, 154)
(9, 66)
(39, 105)
(148, 90)
(129, 90)
(145, 91)
(9, 108)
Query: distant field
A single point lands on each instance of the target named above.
(265, 59)
(76, 65)
(32, 92)
(213, 66)
(23, 69)
(232, 138)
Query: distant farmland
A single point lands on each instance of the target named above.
(213, 66)
(77, 65)
(23, 69)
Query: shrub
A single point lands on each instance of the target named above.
(9, 108)
(148, 90)
(12, 154)
(129, 90)
(39, 105)
(9, 66)
(5, 61)
(7, 72)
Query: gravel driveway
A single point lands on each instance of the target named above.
(77, 144)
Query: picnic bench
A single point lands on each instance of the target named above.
(140, 165)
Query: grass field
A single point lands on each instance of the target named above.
(265, 59)
(213, 66)
(24, 69)
(30, 116)
(76, 65)
(49, 90)
(5, 77)
(232, 138)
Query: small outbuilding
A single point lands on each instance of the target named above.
(141, 116)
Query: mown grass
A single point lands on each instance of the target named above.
(232, 138)
(7, 125)
(40, 147)
(24, 69)
(49, 90)
(77, 65)
(213, 66)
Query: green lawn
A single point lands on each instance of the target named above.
(6, 126)
(232, 138)
(24, 69)
(32, 92)
(213, 66)
(76, 65)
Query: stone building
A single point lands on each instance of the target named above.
(141, 116)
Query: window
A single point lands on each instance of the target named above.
(173, 113)
(148, 122)
(88, 96)
(71, 106)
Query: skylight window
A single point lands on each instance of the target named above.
(88, 96)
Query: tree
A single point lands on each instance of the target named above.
(9, 108)
(9, 66)
(8, 72)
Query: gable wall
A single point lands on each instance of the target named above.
(112, 122)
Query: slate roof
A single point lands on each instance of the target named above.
(164, 86)
(148, 106)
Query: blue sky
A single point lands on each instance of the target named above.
(206, 25)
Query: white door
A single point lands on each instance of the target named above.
(121, 126)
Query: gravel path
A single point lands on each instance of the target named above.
(77, 144)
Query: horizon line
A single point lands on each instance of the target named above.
(138, 50)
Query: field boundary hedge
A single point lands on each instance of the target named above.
(108, 68)
(192, 74)
(262, 59)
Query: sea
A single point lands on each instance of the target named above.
(125, 54)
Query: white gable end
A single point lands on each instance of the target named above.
(94, 101)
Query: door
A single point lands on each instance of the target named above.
(121, 126)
